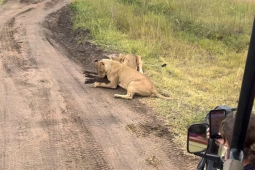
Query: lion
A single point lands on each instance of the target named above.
(129, 60)
(121, 75)
(132, 61)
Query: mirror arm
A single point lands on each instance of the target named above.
(215, 158)
(201, 164)
(211, 157)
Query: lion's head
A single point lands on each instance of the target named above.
(117, 57)
(102, 66)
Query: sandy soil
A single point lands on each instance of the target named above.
(49, 119)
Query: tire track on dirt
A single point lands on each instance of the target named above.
(13, 60)
(7, 39)
(38, 89)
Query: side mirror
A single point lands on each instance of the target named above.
(215, 119)
(197, 138)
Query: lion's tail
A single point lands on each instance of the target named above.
(162, 97)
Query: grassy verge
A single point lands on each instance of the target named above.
(203, 43)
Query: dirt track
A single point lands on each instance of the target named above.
(50, 120)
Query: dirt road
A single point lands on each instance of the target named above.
(50, 120)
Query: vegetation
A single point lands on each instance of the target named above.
(204, 44)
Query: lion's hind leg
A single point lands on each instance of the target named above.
(127, 96)
(130, 92)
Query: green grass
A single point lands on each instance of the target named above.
(204, 44)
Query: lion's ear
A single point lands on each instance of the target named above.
(122, 59)
(96, 64)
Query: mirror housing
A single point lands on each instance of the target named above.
(197, 143)
(197, 138)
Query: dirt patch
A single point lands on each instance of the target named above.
(152, 160)
(79, 50)
(146, 128)
(30, 1)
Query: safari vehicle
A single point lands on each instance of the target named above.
(207, 149)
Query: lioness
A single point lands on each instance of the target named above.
(132, 61)
(131, 80)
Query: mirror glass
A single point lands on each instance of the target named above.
(197, 138)
(215, 119)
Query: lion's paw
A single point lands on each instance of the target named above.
(95, 84)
